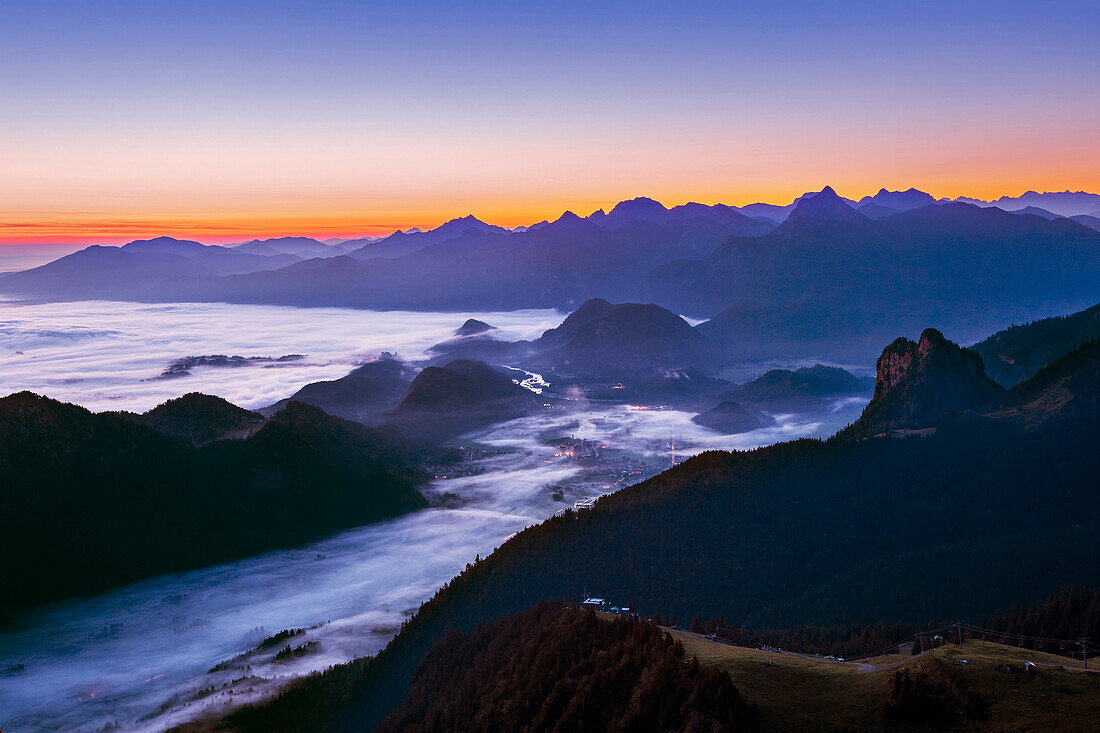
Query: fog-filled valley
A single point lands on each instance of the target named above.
(228, 468)
(140, 655)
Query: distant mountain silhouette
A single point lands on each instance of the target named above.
(1018, 352)
(1062, 203)
(463, 395)
(834, 281)
(830, 283)
(1035, 211)
(400, 244)
(813, 214)
(218, 260)
(898, 201)
(613, 340)
(1091, 221)
(98, 271)
(875, 211)
(361, 394)
(135, 270)
(801, 390)
(731, 418)
(463, 265)
(303, 247)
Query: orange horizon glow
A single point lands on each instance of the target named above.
(219, 227)
(224, 122)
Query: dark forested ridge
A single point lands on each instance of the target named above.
(977, 515)
(198, 418)
(551, 668)
(95, 500)
(1016, 353)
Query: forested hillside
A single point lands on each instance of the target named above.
(1016, 353)
(973, 518)
(96, 500)
(554, 668)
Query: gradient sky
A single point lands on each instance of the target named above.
(226, 120)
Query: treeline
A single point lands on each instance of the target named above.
(550, 668)
(1072, 614)
(93, 501)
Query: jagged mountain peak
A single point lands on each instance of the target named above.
(917, 382)
(823, 206)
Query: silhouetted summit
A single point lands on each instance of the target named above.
(820, 208)
(899, 200)
(783, 390)
(472, 327)
(363, 392)
(449, 400)
(603, 338)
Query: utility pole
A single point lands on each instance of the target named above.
(959, 632)
(1084, 642)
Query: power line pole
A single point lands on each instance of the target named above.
(1084, 642)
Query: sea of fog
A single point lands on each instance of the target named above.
(108, 356)
(140, 656)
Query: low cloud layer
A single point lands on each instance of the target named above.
(106, 356)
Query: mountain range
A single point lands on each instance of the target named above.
(823, 276)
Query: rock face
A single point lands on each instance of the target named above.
(731, 418)
(917, 383)
(446, 401)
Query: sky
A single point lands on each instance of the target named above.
(226, 120)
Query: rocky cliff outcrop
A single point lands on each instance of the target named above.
(919, 382)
